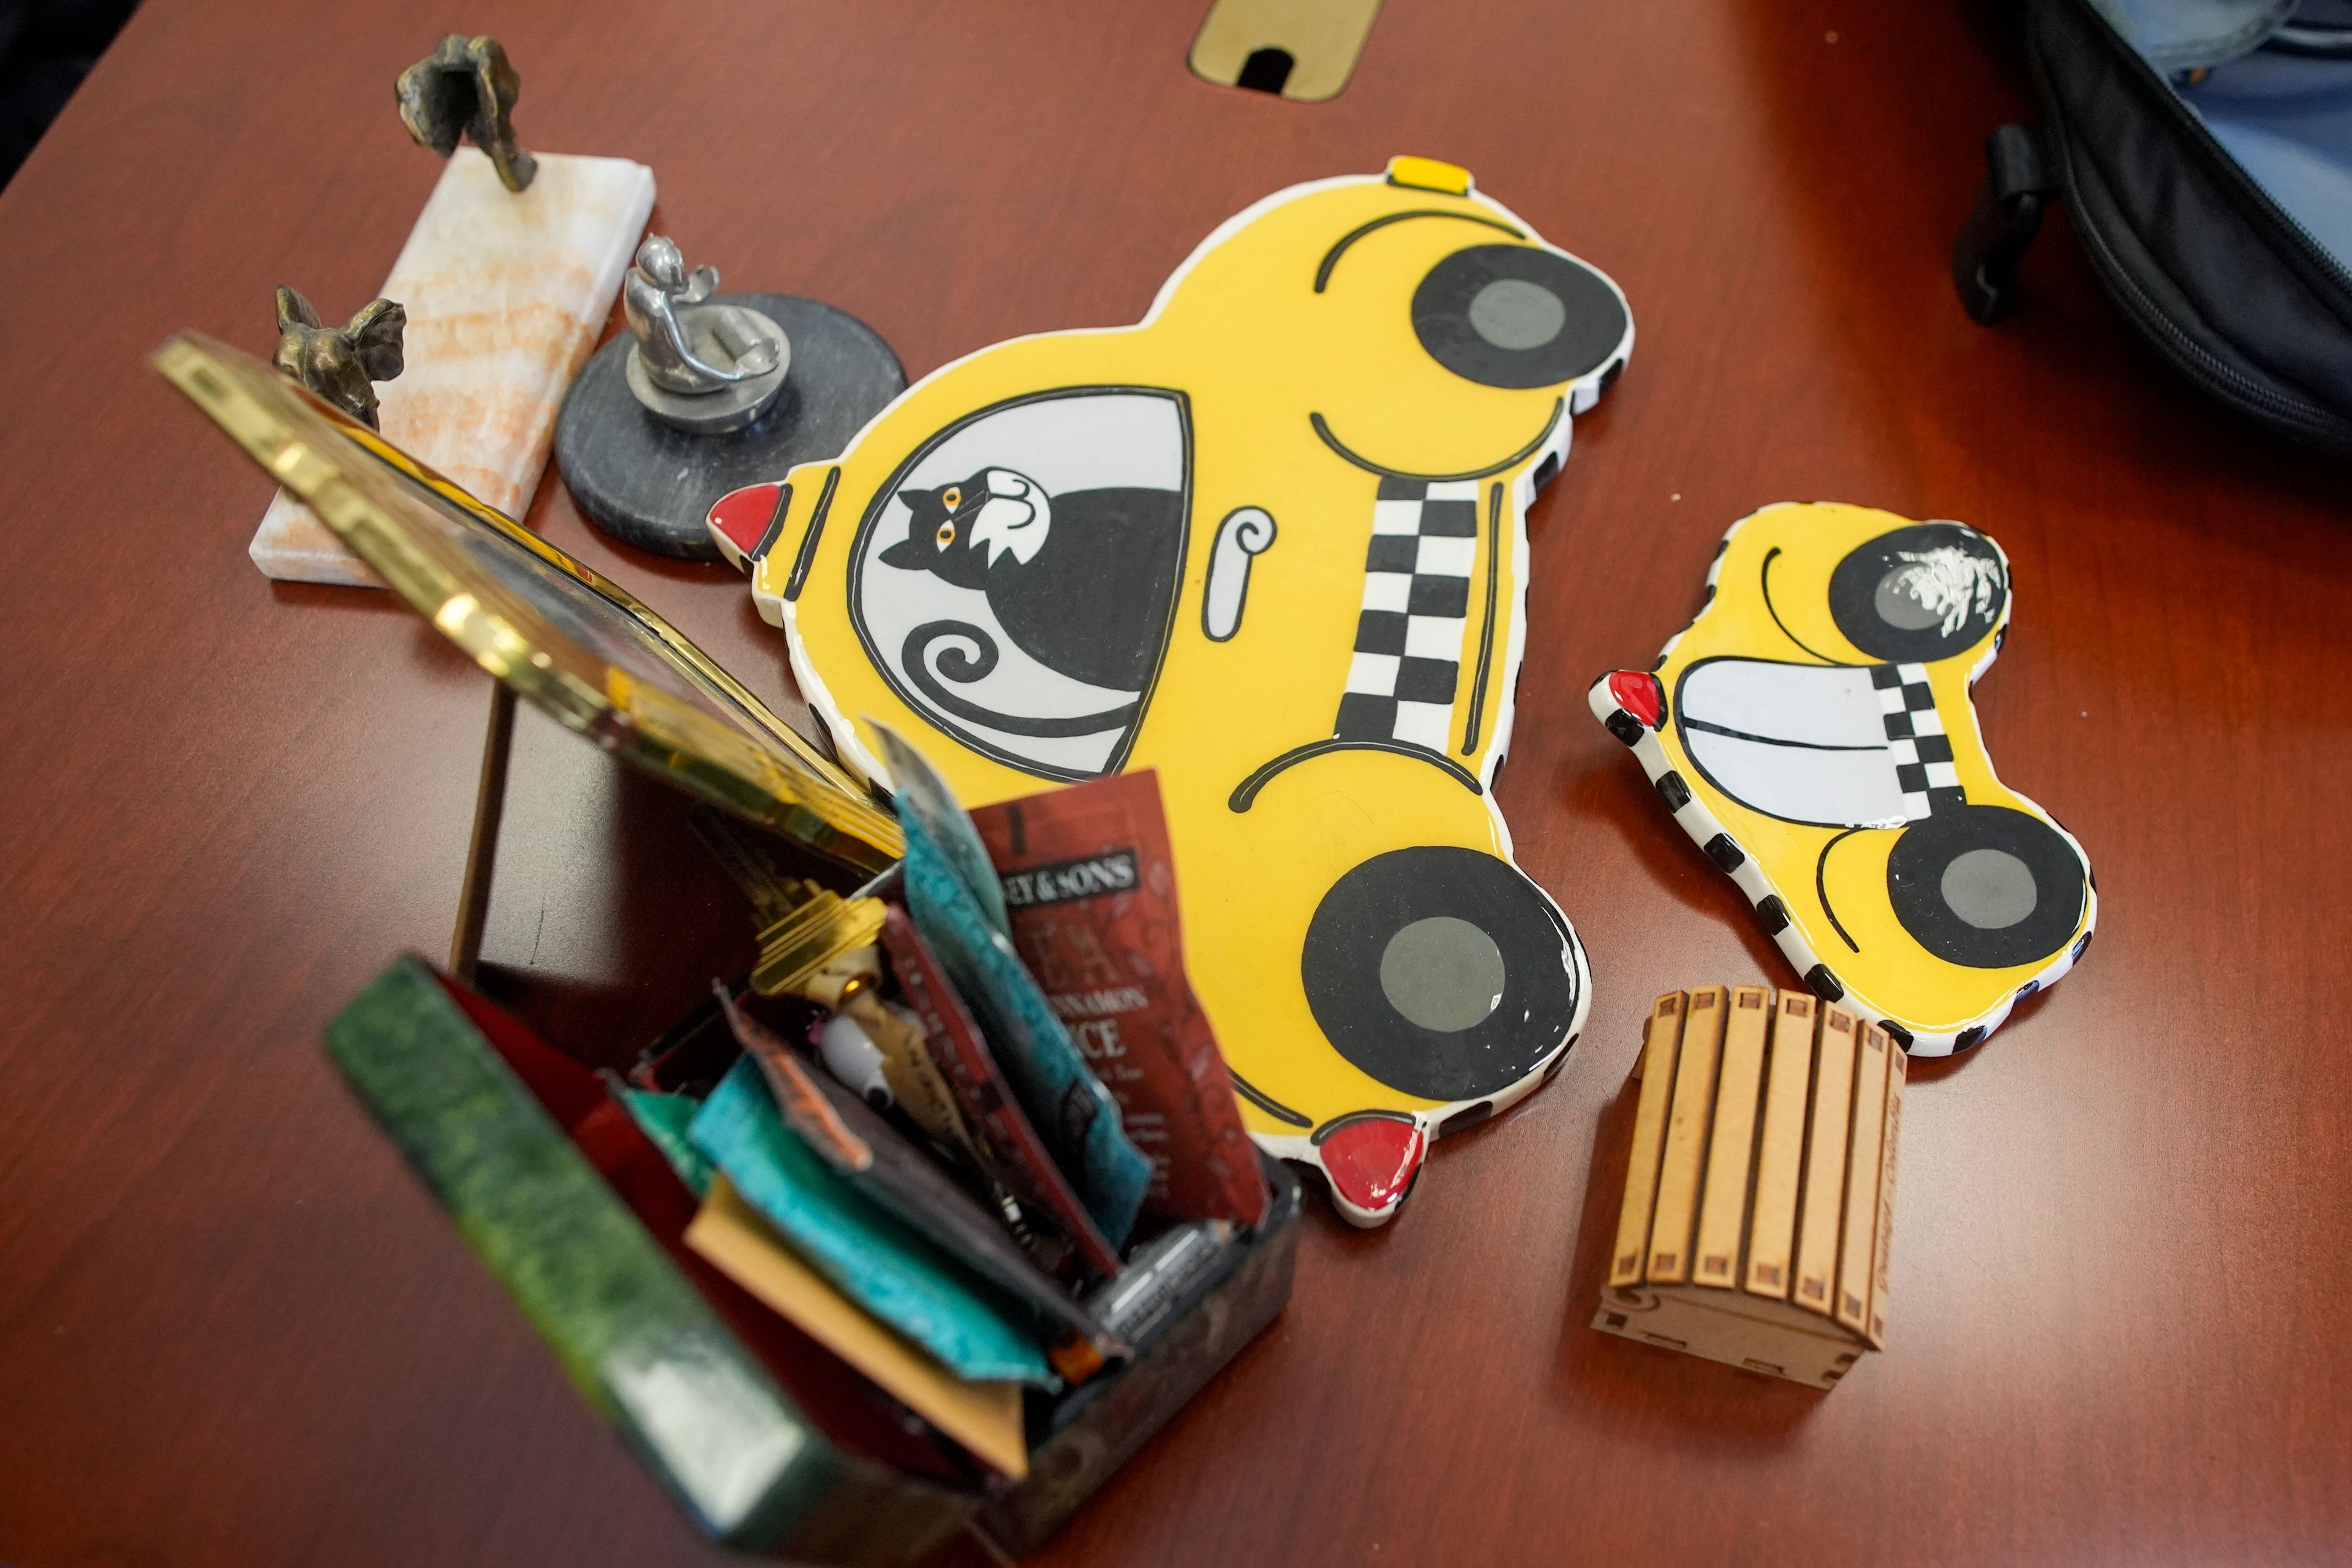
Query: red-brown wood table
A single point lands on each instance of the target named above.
(234, 1330)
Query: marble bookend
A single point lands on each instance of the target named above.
(506, 295)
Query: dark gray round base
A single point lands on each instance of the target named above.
(650, 486)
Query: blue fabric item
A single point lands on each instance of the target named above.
(2288, 123)
(875, 1258)
(1072, 1111)
(2180, 35)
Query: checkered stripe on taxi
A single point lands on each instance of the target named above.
(1914, 734)
(1409, 635)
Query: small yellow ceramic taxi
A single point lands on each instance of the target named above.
(1812, 731)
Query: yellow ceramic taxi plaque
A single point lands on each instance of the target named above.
(1813, 732)
(1270, 543)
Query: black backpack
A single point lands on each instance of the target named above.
(2206, 149)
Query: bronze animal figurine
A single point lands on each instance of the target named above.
(466, 89)
(339, 363)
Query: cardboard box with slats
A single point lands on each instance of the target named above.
(1759, 1194)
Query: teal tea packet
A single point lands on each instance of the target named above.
(873, 1258)
(920, 792)
(665, 1119)
(884, 1165)
(1068, 1106)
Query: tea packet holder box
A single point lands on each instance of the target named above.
(656, 1345)
(652, 1352)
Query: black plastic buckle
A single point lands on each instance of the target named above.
(2018, 184)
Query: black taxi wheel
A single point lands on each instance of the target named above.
(1986, 886)
(1918, 594)
(1515, 316)
(1440, 971)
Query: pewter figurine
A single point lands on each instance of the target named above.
(707, 393)
(337, 364)
(699, 364)
(651, 295)
(465, 89)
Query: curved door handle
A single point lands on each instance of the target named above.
(1247, 531)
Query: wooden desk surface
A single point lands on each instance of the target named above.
(234, 1330)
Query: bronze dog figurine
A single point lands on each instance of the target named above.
(338, 363)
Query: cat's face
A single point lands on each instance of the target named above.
(958, 529)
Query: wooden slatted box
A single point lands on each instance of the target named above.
(1759, 1194)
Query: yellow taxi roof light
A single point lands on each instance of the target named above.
(1429, 174)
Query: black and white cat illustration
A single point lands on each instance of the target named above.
(1080, 581)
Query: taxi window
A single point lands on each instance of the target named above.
(1015, 582)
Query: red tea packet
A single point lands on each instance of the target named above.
(1090, 885)
(1012, 1154)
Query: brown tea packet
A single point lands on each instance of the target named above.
(1091, 886)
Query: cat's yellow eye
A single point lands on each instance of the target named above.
(946, 535)
(951, 497)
